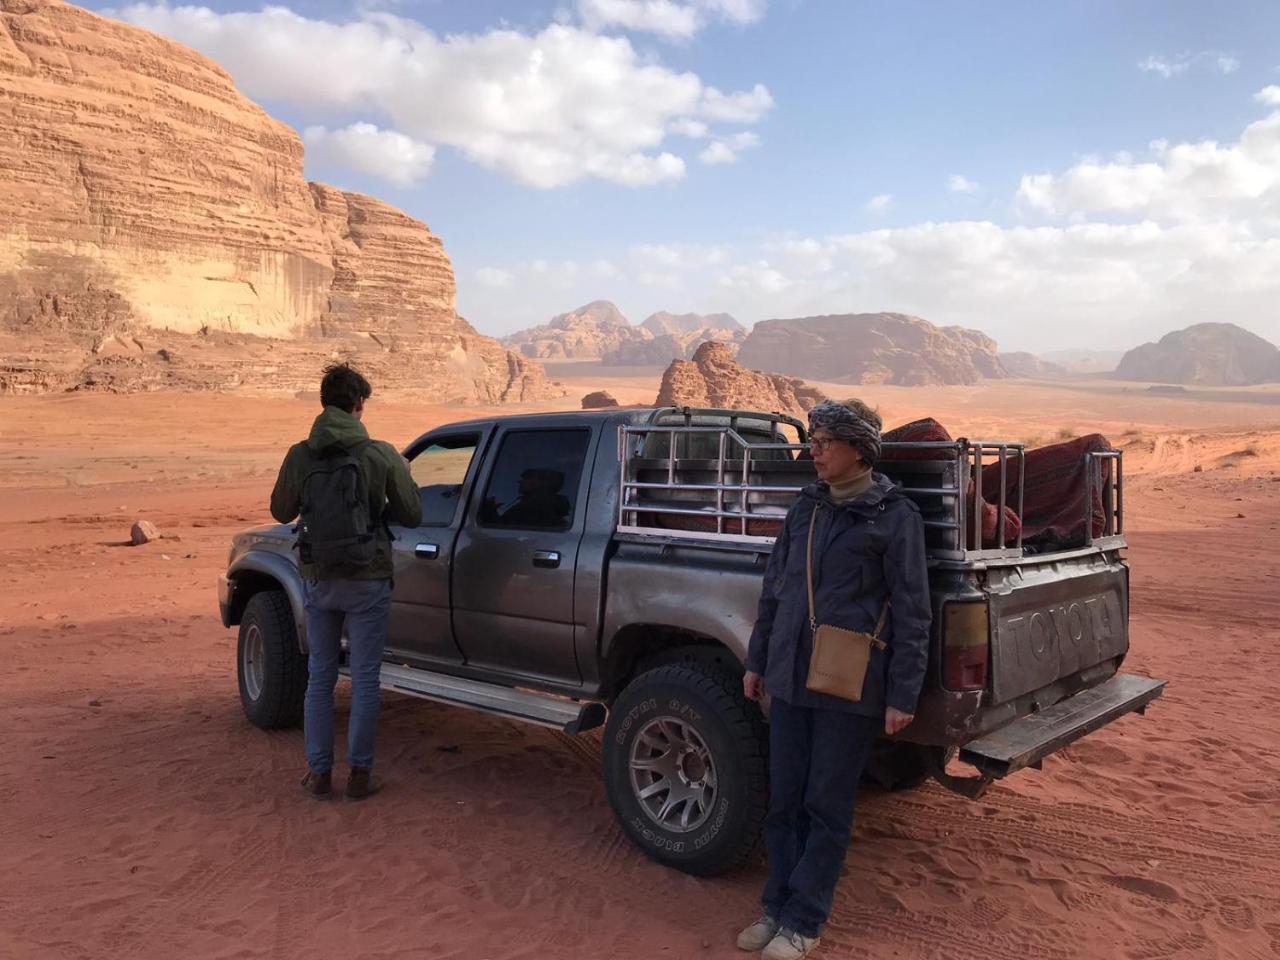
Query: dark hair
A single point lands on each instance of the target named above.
(343, 387)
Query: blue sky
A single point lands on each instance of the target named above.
(1090, 174)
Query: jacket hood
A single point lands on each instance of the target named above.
(882, 489)
(335, 428)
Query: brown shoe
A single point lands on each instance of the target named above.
(362, 783)
(319, 785)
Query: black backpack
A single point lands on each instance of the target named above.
(335, 530)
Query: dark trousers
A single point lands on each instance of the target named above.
(816, 758)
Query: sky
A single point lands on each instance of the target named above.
(1058, 175)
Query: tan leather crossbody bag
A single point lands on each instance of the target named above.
(838, 666)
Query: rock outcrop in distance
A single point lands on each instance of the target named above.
(676, 337)
(1032, 367)
(1205, 354)
(141, 192)
(586, 333)
(599, 331)
(872, 348)
(713, 378)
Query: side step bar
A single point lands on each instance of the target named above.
(568, 716)
(1025, 742)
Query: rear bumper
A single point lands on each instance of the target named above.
(1027, 741)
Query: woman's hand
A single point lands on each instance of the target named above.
(752, 686)
(894, 720)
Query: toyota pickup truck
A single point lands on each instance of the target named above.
(586, 569)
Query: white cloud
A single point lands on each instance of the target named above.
(727, 150)
(1269, 96)
(755, 278)
(1168, 67)
(495, 277)
(1186, 181)
(675, 19)
(687, 127)
(548, 108)
(392, 156)
(879, 203)
(957, 183)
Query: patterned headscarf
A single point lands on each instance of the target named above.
(844, 424)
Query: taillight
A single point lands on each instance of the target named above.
(965, 645)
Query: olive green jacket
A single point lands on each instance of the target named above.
(393, 496)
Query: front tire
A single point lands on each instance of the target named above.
(686, 771)
(271, 669)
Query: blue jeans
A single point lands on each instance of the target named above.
(363, 606)
(816, 758)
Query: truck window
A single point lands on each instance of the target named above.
(440, 470)
(534, 483)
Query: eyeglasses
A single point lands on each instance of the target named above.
(818, 446)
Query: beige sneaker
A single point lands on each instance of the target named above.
(789, 945)
(757, 936)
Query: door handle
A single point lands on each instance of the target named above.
(427, 551)
(546, 558)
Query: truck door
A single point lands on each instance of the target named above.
(514, 566)
(420, 629)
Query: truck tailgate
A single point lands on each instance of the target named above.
(1027, 741)
(1054, 619)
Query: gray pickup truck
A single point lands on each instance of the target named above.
(603, 568)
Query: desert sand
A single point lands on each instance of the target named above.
(143, 817)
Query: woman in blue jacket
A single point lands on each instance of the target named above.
(868, 550)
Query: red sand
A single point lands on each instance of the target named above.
(142, 816)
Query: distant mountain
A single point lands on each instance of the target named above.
(872, 348)
(598, 330)
(677, 338)
(684, 323)
(1084, 361)
(1205, 354)
(588, 332)
(1030, 366)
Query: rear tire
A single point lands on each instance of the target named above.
(686, 767)
(270, 666)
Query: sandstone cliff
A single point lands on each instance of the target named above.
(1206, 354)
(587, 333)
(872, 348)
(140, 191)
(1032, 367)
(676, 337)
(687, 323)
(714, 379)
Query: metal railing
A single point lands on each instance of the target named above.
(725, 487)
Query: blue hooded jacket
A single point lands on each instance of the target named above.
(867, 550)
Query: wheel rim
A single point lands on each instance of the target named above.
(673, 775)
(251, 666)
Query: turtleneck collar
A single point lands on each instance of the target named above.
(852, 488)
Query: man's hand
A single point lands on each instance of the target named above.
(894, 720)
(753, 686)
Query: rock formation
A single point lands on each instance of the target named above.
(1084, 361)
(872, 348)
(1206, 354)
(713, 378)
(1030, 366)
(587, 333)
(141, 192)
(599, 400)
(687, 323)
(676, 337)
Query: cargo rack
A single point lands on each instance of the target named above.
(708, 473)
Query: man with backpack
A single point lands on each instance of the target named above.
(344, 488)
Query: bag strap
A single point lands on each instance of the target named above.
(808, 575)
(808, 569)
